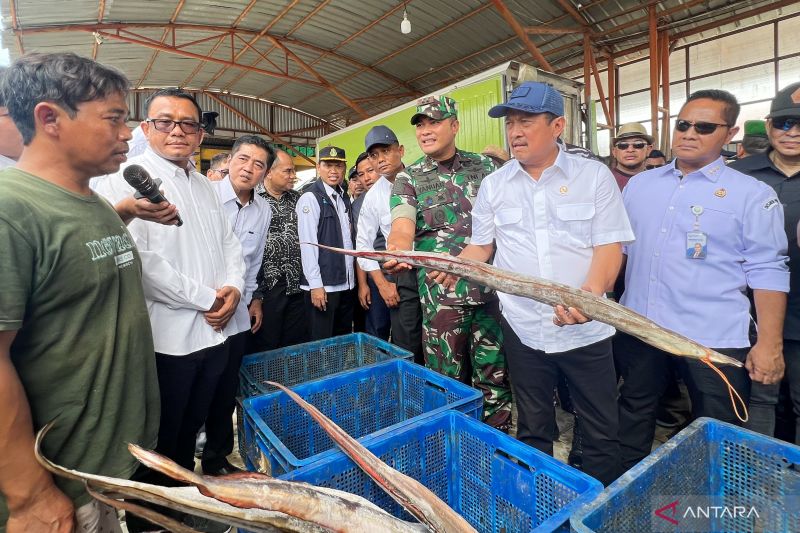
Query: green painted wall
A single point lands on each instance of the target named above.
(477, 129)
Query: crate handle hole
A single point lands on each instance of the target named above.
(517, 461)
(436, 387)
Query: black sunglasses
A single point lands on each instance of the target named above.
(651, 167)
(703, 128)
(637, 145)
(785, 123)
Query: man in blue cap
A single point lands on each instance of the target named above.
(397, 296)
(557, 216)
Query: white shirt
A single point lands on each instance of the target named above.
(375, 216)
(307, 221)
(250, 223)
(182, 267)
(547, 228)
(6, 162)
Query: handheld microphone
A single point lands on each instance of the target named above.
(146, 187)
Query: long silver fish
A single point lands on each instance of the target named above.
(249, 500)
(415, 497)
(553, 293)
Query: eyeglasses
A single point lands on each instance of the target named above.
(703, 128)
(651, 167)
(223, 171)
(624, 146)
(165, 126)
(785, 123)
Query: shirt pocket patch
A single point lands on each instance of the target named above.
(575, 222)
(509, 215)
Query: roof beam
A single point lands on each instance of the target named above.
(511, 20)
(325, 83)
(255, 39)
(273, 136)
(15, 25)
(326, 53)
(549, 30)
(185, 53)
(101, 13)
(572, 12)
(291, 31)
(149, 66)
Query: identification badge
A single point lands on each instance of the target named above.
(696, 245)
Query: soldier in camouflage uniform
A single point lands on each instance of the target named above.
(431, 208)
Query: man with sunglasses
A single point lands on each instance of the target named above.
(779, 168)
(737, 223)
(630, 149)
(193, 276)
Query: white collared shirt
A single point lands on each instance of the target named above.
(375, 216)
(307, 222)
(182, 267)
(548, 228)
(250, 223)
(6, 162)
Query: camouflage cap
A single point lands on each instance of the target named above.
(332, 153)
(755, 128)
(435, 107)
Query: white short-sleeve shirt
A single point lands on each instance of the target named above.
(548, 228)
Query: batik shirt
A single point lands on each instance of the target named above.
(282, 252)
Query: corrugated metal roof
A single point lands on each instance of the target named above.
(356, 46)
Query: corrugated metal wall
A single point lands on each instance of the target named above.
(274, 118)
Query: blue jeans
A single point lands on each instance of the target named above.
(378, 321)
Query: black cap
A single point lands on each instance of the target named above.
(362, 156)
(379, 135)
(332, 153)
(786, 103)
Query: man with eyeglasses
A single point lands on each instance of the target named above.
(398, 293)
(193, 275)
(737, 222)
(630, 149)
(779, 168)
(324, 216)
(219, 167)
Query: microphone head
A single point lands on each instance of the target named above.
(138, 178)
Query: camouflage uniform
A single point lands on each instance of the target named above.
(463, 322)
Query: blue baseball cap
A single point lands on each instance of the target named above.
(379, 135)
(531, 97)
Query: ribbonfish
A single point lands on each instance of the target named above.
(415, 497)
(553, 293)
(248, 500)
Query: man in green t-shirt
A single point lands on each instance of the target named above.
(75, 339)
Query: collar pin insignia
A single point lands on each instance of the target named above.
(720, 193)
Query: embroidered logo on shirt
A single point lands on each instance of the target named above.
(306, 209)
(563, 189)
(720, 193)
(770, 204)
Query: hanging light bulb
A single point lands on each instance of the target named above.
(405, 26)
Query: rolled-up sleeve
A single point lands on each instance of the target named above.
(403, 203)
(765, 243)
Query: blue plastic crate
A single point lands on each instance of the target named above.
(313, 360)
(710, 469)
(362, 402)
(306, 362)
(494, 481)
